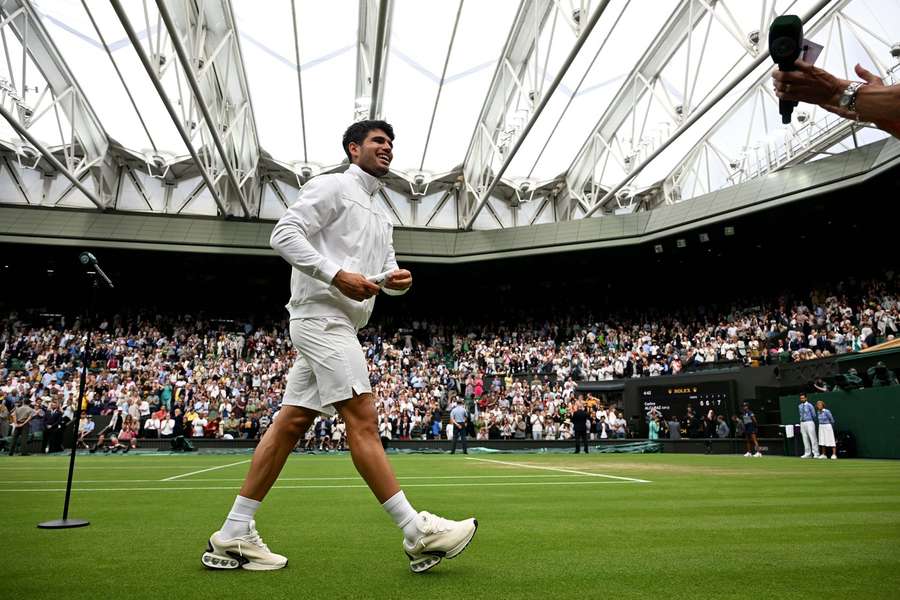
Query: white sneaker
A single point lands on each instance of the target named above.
(834, 457)
(747, 454)
(806, 456)
(440, 538)
(758, 454)
(247, 551)
(821, 456)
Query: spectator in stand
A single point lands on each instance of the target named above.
(167, 425)
(537, 425)
(85, 430)
(126, 439)
(674, 426)
(621, 426)
(654, 428)
(722, 429)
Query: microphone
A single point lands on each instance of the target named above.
(785, 46)
(89, 260)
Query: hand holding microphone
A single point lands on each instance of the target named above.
(785, 47)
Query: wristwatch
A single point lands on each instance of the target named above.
(848, 96)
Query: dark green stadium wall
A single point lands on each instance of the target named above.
(872, 415)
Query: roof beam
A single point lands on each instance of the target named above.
(521, 43)
(206, 41)
(805, 148)
(374, 34)
(151, 66)
(694, 117)
(508, 80)
(683, 19)
(85, 133)
(23, 131)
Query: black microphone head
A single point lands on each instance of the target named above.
(786, 40)
(86, 258)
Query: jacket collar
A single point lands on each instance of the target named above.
(370, 183)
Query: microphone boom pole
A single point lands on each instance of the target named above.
(88, 260)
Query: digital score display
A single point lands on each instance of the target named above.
(673, 400)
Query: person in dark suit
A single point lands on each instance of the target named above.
(53, 429)
(580, 426)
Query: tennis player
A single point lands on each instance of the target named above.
(339, 242)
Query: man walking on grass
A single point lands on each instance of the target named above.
(339, 242)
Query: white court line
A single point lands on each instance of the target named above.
(174, 477)
(355, 478)
(527, 466)
(78, 467)
(312, 487)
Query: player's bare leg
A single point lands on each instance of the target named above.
(273, 450)
(238, 544)
(365, 446)
(427, 538)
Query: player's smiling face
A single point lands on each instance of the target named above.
(375, 154)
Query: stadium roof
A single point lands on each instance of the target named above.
(506, 112)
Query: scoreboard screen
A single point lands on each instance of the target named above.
(673, 400)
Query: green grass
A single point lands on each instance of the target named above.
(702, 527)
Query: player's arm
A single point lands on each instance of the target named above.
(316, 207)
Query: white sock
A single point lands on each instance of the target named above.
(238, 521)
(403, 514)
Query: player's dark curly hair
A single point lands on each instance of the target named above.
(357, 133)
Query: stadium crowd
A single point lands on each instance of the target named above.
(184, 376)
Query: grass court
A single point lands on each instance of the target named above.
(550, 526)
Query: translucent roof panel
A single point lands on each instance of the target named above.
(24, 88)
(327, 34)
(420, 38)
(642, 78)
(590, 84)
(74, 34)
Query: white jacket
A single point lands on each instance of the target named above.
(336, 224)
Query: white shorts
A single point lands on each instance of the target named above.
(826, 435)
(331, 366)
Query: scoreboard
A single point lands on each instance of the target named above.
(673, 400)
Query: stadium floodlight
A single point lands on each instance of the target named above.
(704, 237)
(157, 164)
(681, 243)
(729, 231)
(304, 171)
(27, 155)
(524, 191)
(418, 186)
(658, 249)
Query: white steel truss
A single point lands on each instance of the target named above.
(192, 53)
(713, 165)
(374, 35)
(41, 94)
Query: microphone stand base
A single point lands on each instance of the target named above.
(63, 524)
